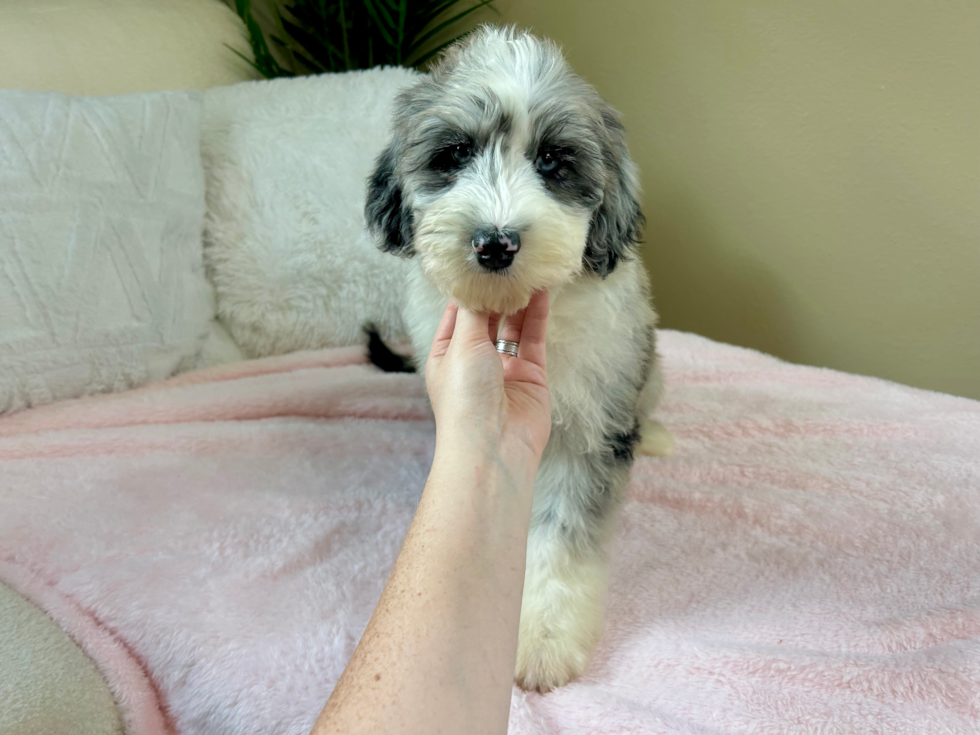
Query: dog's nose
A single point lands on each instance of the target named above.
(495, 249)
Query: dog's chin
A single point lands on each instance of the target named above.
(541, 265)
(552, 243)
(502, 292)
(495, 293)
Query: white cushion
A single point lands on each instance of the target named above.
(287, 162)
(102, 284)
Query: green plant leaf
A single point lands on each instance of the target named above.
(379, 22)
(315, 36)
(343, 33)
(242, 56)
(264, 61)
(433, 11)
(432, 52)
(315, 47)
(446, 23)
(312, 63)
(380, 8)
(277, 15)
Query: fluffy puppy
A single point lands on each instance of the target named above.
(507, 174)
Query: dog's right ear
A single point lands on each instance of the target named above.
(387, 217)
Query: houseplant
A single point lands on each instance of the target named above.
(297, 37)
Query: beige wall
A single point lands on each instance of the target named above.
(811, 170)
(119, 46)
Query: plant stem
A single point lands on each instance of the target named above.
(343, 31)
(402, 9)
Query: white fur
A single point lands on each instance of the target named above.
(551, 249)
(500, 189)
(285, 242)
(562, 612)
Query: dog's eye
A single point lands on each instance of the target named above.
(462, 152)
(452, 157)
(547, 162)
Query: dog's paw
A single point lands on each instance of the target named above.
(656, 440)
(562, 616)
(545, 662)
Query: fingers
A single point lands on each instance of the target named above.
(510, 330)
(527, 327)
(444, 333)
(493, 327)
(472, 326)
(534, 329)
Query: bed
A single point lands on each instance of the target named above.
(807, 561)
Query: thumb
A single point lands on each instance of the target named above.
(472, 327)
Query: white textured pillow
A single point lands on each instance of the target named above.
(102, 282)
(287, 162)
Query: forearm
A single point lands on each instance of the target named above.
(438, 654)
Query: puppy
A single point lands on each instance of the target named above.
(508, 174)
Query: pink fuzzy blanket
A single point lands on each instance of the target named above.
(808, 561)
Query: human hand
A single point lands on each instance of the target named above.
(481, 395)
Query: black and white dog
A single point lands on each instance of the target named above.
(507, 174)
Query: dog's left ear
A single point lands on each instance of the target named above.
(387, 216)
(615, 228)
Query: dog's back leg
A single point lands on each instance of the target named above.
(655, 438)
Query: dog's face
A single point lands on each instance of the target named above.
(506, 174)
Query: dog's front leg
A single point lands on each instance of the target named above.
(563, 610)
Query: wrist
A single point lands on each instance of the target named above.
(492, 459)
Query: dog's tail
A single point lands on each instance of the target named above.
(382, 356)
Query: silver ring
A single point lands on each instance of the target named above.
(507, 348)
